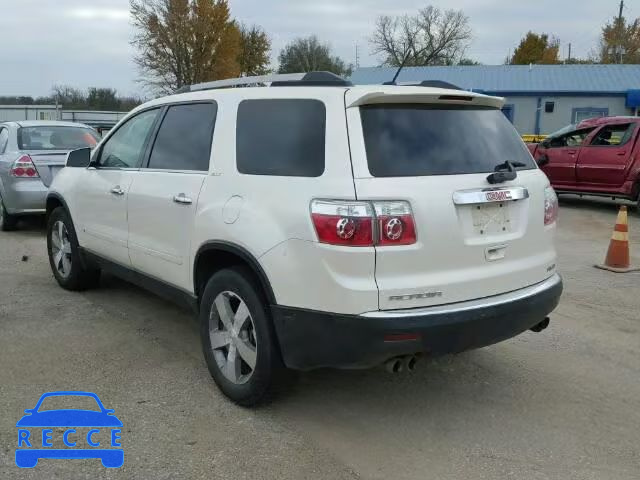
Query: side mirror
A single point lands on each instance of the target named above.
(542, 160)
(79, 158)
(29, 410)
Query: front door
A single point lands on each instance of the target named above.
(101, 203)
(163, 199)
(563, 152)
(605, 160)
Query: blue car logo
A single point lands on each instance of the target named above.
(101, 425)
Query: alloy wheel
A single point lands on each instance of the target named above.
(232, 336)
(61, 249)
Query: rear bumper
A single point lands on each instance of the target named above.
(24, 196)
(311, 339)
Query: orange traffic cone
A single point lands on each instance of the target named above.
(617, 259)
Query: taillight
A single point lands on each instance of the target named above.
(550, 206)
(24, 168)
(395, 223)
(343, 222)
(363, 224)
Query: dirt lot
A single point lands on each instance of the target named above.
(562, 404)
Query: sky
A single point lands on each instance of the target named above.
(85, 43)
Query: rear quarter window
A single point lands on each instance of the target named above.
(281, 137)
(421, 140)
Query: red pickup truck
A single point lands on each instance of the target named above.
(596, 157)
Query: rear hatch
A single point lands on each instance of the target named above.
(48, 163)
(435, 150)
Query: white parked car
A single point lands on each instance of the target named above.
(313, 223)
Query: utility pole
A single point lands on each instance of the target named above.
(569, 56)
(620, 32)
(357, 57)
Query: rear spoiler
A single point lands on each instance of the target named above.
(401, 94)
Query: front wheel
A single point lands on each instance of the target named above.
(66, 263)
(238, 340)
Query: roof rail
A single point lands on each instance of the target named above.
(309, 79)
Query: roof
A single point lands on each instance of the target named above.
(516, 78)
(359, 94)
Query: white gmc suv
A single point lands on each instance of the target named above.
(313, 223)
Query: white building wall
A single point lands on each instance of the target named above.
(525, 107)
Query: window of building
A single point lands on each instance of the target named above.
(549, 107)
(281, 137)
(580, 114)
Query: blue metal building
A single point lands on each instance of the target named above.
(539, 98)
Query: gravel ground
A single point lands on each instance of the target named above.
(562, 404)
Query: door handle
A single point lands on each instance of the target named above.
(572, 152)
(117, 190)
(182, 199)
(621, 154)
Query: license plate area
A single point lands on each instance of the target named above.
(491, 218)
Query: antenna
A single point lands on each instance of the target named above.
(404, 61)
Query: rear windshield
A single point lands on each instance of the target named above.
(56, 138)
(419, 140)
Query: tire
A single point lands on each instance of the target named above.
(7, 222)
(245, 384)
(68, 268)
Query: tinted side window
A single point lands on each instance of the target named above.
(4, 139)
(184, 138)
(281, 137)
(125, 147)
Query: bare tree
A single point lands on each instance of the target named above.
(432, 37)
(308, 55)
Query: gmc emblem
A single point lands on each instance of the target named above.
(498, 195)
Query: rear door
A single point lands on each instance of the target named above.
(163, 199)
(474, 239)
(605, 160)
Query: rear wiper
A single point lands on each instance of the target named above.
(499, 176)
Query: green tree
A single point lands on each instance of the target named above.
(309, 55)
(431, 37)
(468, 62)
(620, 41)
(102, 99)
(182, 42)
(536, 48)
(255, 47)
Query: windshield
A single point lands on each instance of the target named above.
(418, 140)
(56, 138)
(562, 131)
